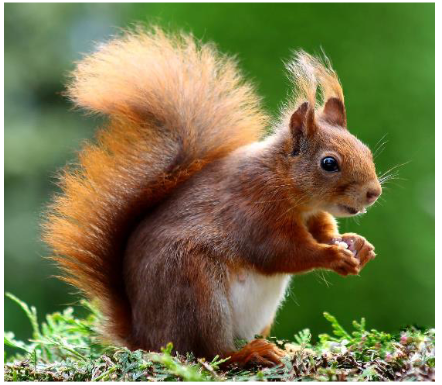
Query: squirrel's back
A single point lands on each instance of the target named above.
(173, 105)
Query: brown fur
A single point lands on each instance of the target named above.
(178, 193)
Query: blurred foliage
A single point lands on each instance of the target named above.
(384, 55)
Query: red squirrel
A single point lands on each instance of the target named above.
(184, 220)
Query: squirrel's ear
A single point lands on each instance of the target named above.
(302, 120)
(301, 125)
(334, 112)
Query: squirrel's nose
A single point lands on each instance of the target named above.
(373, 194)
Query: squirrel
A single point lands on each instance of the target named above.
(184, 219)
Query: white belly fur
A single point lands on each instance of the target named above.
(255, 299)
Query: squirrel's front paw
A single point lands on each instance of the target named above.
(342, 261)
(360, 247)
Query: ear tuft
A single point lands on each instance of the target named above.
(334, 112)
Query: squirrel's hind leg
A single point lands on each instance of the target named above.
(176, 297)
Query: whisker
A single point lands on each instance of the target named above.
(393, 181)
(392, 176)
(379, 151)
(380, 140)
(393, 168)
(378, 202)
(356, 220)
(389, 173)
(321, 275)
(380, 146)
(398, 184)
(292, 295)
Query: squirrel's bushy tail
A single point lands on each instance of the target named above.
(173, 105)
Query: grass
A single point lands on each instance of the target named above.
(65, 348)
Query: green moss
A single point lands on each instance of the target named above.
(65, 348)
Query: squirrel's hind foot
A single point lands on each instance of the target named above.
(257, 353)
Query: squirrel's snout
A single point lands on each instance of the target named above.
(373, 193)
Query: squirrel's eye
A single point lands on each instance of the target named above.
(329, 164)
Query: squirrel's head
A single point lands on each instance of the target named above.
(330, 164)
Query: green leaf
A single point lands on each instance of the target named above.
(30, 312)
(9, 340)
(303, 337)
(338, 330)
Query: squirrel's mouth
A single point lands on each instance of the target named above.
(351, 210)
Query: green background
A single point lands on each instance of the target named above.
(384, 55)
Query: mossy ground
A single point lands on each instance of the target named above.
(65, 348)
